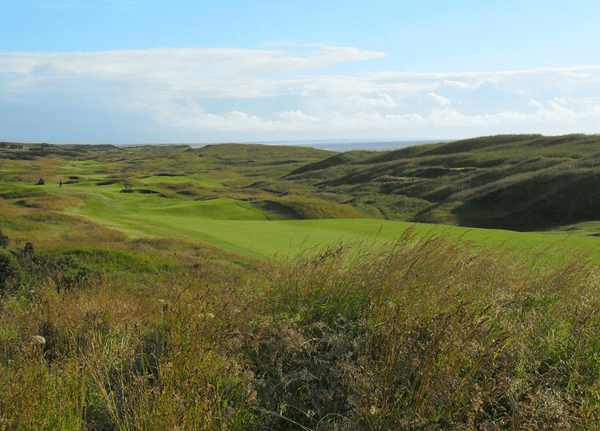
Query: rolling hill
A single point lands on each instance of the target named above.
(520, 182)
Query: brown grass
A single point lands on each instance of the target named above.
(55, 203)
(427, 334)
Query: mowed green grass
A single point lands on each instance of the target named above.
(235, 225)
(290, 237)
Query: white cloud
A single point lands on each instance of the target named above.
(535, 103)
(174, 64)
(299, 116)
(458, 84)
(282, 90)
(439, 99)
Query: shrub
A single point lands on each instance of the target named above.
(4, 240)
(11, 273)
(65, 270)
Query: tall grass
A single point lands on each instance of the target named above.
(426, 334)
(430, 335)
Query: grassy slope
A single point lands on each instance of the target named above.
(428, 335)
(167, 334)
(250, 233)
(521, 182)
(238, 226)
(239, 197)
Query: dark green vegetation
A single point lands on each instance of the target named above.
(524, 182)
(119, 312)
(521, 182)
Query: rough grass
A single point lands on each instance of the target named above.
(517, 182)
(423, 334)
(472, 330)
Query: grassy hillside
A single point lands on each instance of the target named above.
(522, 182)
(253, 198)
(261, 287)
(215, 194)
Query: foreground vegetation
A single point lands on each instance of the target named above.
(421, 334)
(256, 287)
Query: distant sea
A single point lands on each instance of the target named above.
(369, 146)
(342, 145)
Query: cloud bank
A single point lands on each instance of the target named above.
(319, 92)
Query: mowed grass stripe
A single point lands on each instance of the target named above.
(237, 226)
(287, 238)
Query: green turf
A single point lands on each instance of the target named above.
(236, 225)
(233, 225)
(205, 182)
(223, 194)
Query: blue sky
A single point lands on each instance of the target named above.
(128, 71)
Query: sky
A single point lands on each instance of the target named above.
(132, 72)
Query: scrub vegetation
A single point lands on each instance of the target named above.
(262, 287)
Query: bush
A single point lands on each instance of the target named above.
(66, 271)
(4, 240)
(11, 273)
